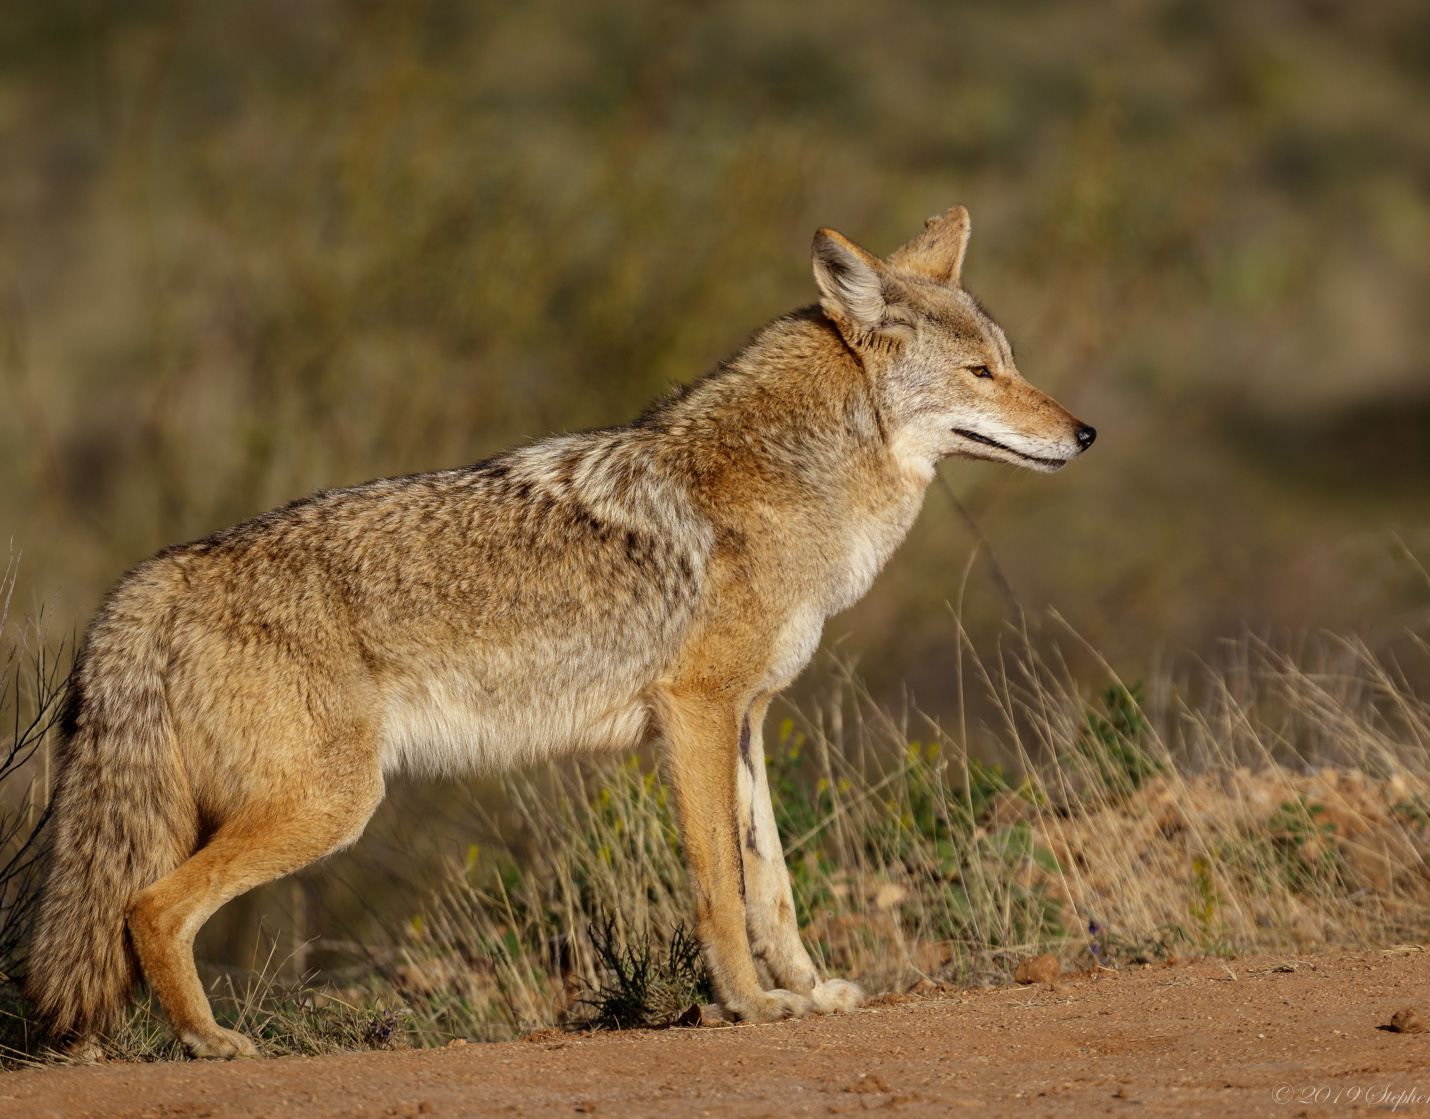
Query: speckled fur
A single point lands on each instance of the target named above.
(241, 699)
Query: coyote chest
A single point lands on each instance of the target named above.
(868, 542)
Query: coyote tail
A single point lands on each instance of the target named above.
(122, 818)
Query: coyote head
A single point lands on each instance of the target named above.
(945, 371)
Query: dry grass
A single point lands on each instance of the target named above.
(1268, 803)
(33, 678)
(1277, 803)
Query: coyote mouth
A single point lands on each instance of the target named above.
(973, 436)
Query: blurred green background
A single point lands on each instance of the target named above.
(248, 251)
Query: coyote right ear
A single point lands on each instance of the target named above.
(938, 251)
(856, 288)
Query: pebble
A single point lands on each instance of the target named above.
(1038, 969)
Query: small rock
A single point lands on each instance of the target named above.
(690, 1018)
(1407, 1021)
(1038, 969)
(695, 1017)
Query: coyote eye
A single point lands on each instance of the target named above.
(979, 370)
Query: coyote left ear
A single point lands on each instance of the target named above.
(855, 287)
(938, 251)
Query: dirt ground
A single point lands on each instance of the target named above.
(1291, 1036)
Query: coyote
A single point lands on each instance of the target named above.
(240, 701)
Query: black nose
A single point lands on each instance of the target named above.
(1085, 436)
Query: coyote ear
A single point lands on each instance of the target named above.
(855, 287)
(938, 251)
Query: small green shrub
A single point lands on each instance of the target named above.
(1114, 746)
(641, 985)
(1303, 845)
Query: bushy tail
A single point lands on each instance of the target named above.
(121, 817)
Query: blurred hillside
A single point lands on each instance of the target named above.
(248, 251)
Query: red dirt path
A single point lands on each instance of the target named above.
(1206, 1038)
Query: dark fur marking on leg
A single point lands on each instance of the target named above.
(750, 843)
(745, 746)
(739, 859)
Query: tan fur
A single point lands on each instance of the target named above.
(241, 699)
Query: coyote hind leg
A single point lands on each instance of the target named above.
(769, 900)
(263, 842)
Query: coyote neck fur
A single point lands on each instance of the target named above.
(792, 436)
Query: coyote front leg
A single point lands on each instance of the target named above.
(769, 901)
(702, 736)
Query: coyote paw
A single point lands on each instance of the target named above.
(772, 1006)
(833, 995)
(220, 1045)
(828, 997)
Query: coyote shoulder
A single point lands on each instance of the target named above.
(241, 700)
